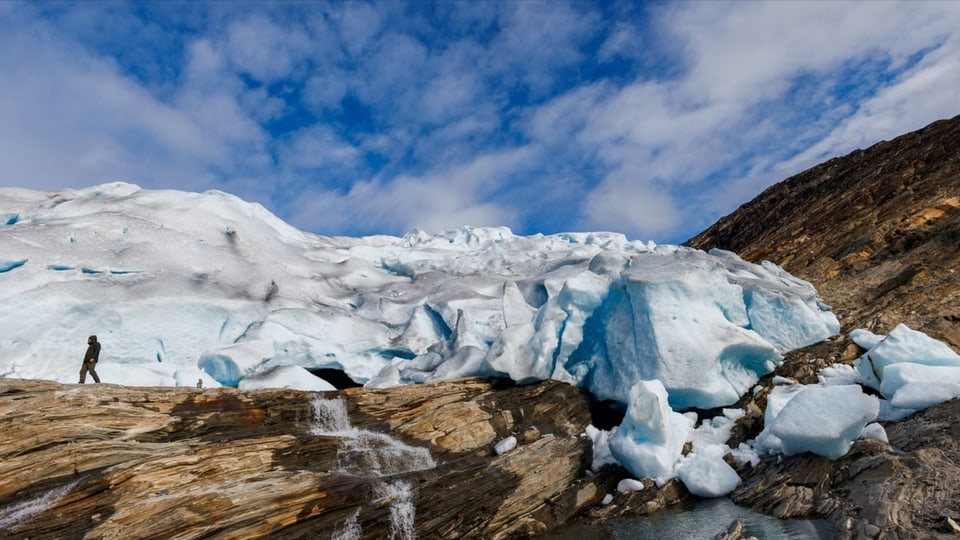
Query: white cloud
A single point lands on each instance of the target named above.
(358, 24)
(266, 50)
(317, 147)
(742, 59)
(480, 113)
(538, 38)
(442, 200)
(67, 118)
(326, 89)
(626, 203)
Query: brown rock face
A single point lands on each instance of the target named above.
(878, 233)
(104, 461)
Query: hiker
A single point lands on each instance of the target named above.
(90, 360)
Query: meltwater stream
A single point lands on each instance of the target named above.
(703, 519)
(373, 455)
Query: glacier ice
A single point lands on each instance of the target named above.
(706, 474)
(650, 439)
(911, 369)
(824, 420)
(208, 282)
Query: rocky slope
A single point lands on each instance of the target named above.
(878, 233)
(105, 461)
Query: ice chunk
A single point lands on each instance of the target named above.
(874, 431)
(865, 338)
(824, 420)
(942, 383)
(715, 430)
(920, 395)
(629, 484)
(706, 474)
(839, 374)
(601, 447)
(505, 445)
(902, 345)
(651, 437)
(889, 413)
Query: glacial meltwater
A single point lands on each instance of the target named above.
(703, 519)
(373, 455)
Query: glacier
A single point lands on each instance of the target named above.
(181, 287)
(204, 289)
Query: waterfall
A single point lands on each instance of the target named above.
(351, 529)
(331, 417)
(15, 514)
(400, 498)
(369, 454)
(366, 453)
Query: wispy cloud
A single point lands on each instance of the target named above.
(377, 117)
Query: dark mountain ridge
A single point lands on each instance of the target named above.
(876, 231)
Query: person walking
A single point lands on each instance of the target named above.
(90, 360)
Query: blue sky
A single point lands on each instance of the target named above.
(354, 118)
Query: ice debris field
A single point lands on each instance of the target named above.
(186, 287)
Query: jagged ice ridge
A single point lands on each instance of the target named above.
(184, 286)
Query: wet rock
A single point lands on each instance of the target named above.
(105, 461)
(876, 233)
(901, 490)
(734, 531)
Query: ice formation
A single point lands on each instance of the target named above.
(210, 287)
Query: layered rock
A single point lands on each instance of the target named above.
(909, 489)
(104, 461)
(876, 232)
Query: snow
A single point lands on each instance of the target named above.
(175, 282)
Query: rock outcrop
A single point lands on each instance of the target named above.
(105, 461)
(907, 489)
(877, 232)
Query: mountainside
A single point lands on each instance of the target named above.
(877, 232)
